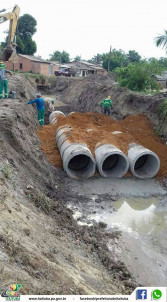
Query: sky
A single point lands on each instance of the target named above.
(88, 27)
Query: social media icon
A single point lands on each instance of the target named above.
(156, 294)
(141, 294)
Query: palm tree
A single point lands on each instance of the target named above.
(161, 40)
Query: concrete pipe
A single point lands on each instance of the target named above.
(71, 113)
(111, 162)
(53, 121)
(78, 161)
(53, 116)
(143, 162)
(62, 135)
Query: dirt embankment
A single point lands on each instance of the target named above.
(41, 246)
(84, 95)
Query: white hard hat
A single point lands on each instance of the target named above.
(38, 94)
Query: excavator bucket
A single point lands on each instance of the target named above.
(10, 55)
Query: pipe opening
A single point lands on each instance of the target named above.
(110, 162)
(79, 162)
(146, 165)
(115, 165)
(80, 166)
(141, 162)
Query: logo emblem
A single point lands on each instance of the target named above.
(141, 294)
(156, 294)
(12, 292)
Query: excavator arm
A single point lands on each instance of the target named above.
(9, 53)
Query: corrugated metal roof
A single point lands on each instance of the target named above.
(89, 65)
(37, 59)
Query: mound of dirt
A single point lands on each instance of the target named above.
(95, 128)
(25, 88)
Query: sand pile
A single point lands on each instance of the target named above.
(95, 128)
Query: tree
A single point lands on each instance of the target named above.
(97, 59)
(26, 29)
(77, 58)
(56, 56)
(161, 40)
(4, 44)
(163, 62)
(118, 58)
(139, 76)
(62, 57)
(133, 56)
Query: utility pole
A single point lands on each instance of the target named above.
(109, 60)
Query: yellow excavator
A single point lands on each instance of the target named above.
(9, 53)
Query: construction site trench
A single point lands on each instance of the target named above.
(93, 236)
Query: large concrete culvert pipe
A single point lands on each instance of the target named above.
(143, 162)
(111, 162)
(78, 161)
(62, 135)
(53, 116)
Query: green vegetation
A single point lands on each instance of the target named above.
(34, 75)
(58, 56)
(26, 29)
(161, 40)
(117, 58)
(163, 108)
(78, 58)
(97, 59)
(139, 76)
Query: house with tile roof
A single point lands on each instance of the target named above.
(33, 64)
(85, 68)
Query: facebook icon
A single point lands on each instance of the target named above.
(141, 294)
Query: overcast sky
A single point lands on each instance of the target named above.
(88, 27)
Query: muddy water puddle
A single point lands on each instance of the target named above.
(138, 216)
(143, 225)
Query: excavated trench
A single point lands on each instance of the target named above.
(145, 248)
(41, 245)
(47, 238)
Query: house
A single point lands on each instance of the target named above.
(33, 64)
(84, 68)
(161, 79)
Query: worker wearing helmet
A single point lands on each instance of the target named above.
(3, 80)
(40, 107)
(106, 104)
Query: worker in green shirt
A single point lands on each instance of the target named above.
(3, 80)
(106, 104)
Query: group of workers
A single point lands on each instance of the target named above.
(105, 104)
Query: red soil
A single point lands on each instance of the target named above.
(94, 129)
